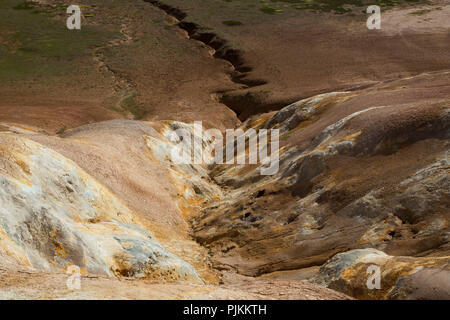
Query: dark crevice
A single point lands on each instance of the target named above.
(247, 104)
(260, 193)
(225, 52)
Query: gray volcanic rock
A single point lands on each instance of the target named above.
(351, 176)
(54, 215)
(399, 277)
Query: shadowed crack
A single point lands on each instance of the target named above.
(223, 51)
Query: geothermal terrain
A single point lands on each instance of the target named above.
(87, 125)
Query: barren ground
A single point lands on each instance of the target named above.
(84, 123)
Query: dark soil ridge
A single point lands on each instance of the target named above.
(225, 52)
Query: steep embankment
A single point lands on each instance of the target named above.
(56, 214)
(354, 173)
